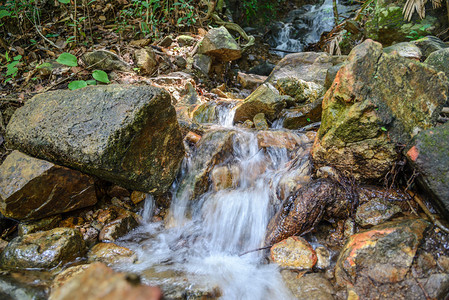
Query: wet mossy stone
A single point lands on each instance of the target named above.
(125, 134)
(46, 249)
(439, 60)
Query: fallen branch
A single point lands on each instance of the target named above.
(427, 212)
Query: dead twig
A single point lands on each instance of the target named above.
(427, 212)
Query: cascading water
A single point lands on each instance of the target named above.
(304, 26)
(203, 244)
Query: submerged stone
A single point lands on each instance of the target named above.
(125, 134)
(46, 249)
(375, 212)
(32, 188)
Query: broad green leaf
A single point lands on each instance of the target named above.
(12, 71)
(44, 65)
(64, 1)
(77, 84)
(383, 128)
(100, 76)
(18, 57)
(91, 82)
(4, 13)
(67, 59)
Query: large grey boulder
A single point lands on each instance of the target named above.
(125, 134)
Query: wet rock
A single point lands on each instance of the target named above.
(250, 81)
(137, 197)
(260, 122)
(300, 90)
(330, 75)
(309, 286)
(45, 249)
(213, 148)
(300, 211)
(11, 289)
(146, 61)
(105, 60)
(439, 61)
(219, 44)
(280, 139)
(300, 116)
(368, 109)
(100, 282)
(307, 66)
(127, 134)
(192, 137)
(429, 156)
(383, 254)
(405, 49)
(31, 188)
(429, 44)
(117, 191)
(375, 212)
(298, 175)
(124, 223)
(262, 69)
(110, 254)
(180, 62)
(185, 40)
(3, 245)
(265, 99)
(40, 225)
(212, 111)
(443, 263)
(203, 63)
(293, 253)
(224, 177)
(323, 258)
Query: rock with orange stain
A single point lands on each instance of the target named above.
(430, 157)
(382, 254)
(294, 253)
(376, 101)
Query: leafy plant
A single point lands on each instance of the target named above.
(11, 67)
(71, 61)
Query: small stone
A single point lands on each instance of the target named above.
(110, 254)
(220, 44)
(71, 222)
(119, 227)
(405, 49)
(203, 63)
(192, 137)
(3, 245)
(137, 197)
(40, 225)
(294, 253)
(45, 249)
(278, 139)
(443, 263)
(250, 81)
(146, 61)
(105, 60)
(180, 62)
(166, 41)
(185, 40)
(117, 191)
(309, 286)
(323, 258)
(260, 122)
(248, 124)
(375, 212)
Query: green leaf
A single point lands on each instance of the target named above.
(383, 128)
(67, 59)
(44, 65)
(77, 84)
(18, 57)
(100, 76)
(12, 71)
(308, 119)
(64, 1)
(4, 13)
(91, 82)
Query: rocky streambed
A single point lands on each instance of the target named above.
(326, 179)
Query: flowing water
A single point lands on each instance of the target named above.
(203, 244)
(304, 26)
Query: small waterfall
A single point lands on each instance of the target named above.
(203, 239)
(304, 26)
